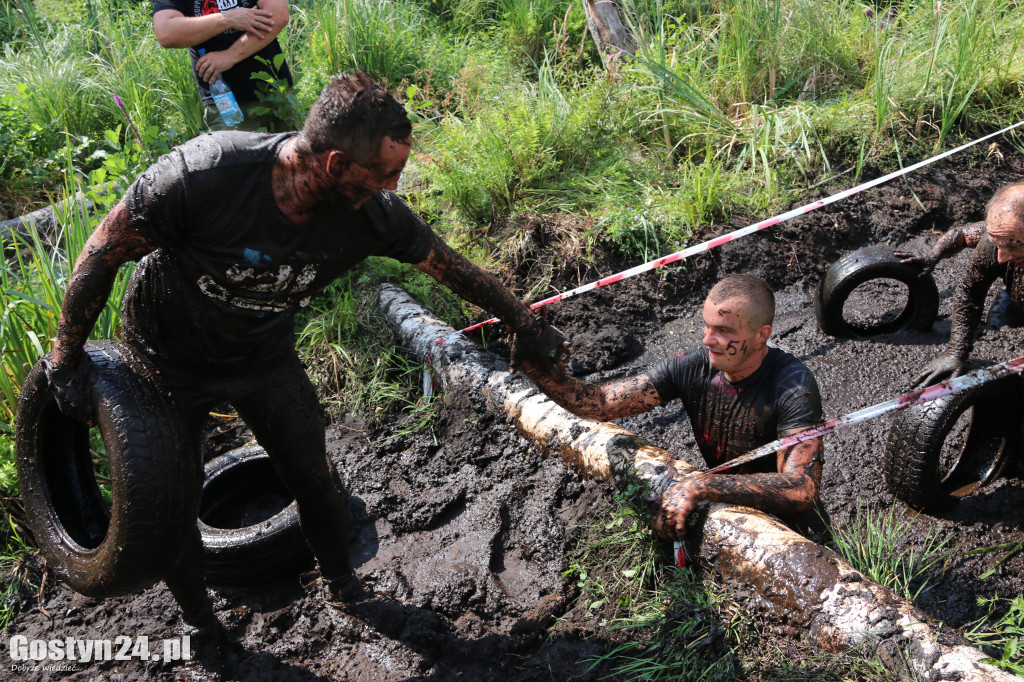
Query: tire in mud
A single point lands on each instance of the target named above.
(99, 548)
(859, 267)
(248, 520)
(936, 453)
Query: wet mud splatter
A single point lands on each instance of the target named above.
(464, 531)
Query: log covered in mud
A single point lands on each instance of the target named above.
(800, 585)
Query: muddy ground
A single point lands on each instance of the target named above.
(465, 530)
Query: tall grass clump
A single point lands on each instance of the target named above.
(517, 145)
(377, 36)
(878, 544)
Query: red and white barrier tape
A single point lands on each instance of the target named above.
(924, 395)
(718, 241)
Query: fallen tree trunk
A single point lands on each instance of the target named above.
(43, 221)
(803, 586)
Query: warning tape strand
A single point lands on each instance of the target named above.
(948, 387)
(683, 254)
(712, 243)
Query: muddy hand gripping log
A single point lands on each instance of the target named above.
(724, 239)
(924, 395)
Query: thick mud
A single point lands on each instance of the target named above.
(465, 531)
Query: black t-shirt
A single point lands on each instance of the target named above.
(730, 419)
(239, 77)
(231, 270)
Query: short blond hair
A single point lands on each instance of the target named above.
(751, 288)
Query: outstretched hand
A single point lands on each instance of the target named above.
(927, 263)
(69, 382)
(939, 369)
(537, 346)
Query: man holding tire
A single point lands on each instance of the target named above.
(999, 254)
(235, 232)
(739, 394)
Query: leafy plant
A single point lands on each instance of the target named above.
(1001, 636)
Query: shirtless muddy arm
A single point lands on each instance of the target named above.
(968, 304)
(535, 338)
(114, 242)
(951, 243)
(793, 490)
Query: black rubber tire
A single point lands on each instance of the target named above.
(912, 467)
(858, 267)
(240, 543)
(99, 549)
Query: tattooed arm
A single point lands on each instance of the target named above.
(595, 401)
(114, 242)
(793, 490)
(534, 337)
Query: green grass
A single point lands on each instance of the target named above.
(1001, 633)
(653, 621)
(14, 578)
(878, 544)
(726, 110)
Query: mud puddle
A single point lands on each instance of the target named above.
(465, 531)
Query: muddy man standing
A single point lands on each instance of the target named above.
(999, 254)
(739, 394)
(236, 232)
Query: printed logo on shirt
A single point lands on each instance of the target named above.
(205, 7)
(283, 286)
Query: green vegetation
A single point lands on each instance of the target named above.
(659, 622)
(724, 109)
(877, 544)
(1002, 635)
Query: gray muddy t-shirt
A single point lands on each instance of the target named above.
(231, 270)
(730, 419)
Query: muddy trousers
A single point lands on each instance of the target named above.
(278, 403)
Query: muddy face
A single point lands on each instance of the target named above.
(1007, 233)
(357, 182)
(735, 346)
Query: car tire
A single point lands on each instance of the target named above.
(915, 468)
(248, 520)
(98, 548)
(863, 265)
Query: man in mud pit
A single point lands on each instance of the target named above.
(236, 232)
(999, 254)
(739, 393)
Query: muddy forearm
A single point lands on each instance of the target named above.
(968, 302)
(595, 401)
(785, 493)
(111, 245)
(475, 285)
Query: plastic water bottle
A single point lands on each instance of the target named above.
(225, 100)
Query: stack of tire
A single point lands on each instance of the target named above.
(248, 521)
